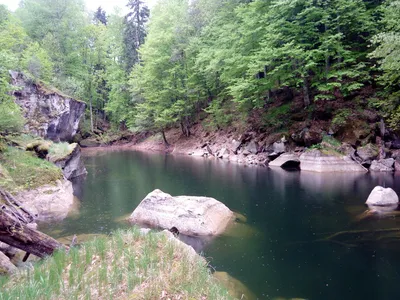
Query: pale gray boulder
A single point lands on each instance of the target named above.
(316, 161)
(49, 202)
(193, 216)
(381, 196)
(382, 165)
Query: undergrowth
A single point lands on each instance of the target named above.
(126, 265)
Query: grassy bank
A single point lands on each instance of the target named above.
(24, 162)
(126, 265)
(24, 170)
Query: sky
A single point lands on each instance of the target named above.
(107, 5)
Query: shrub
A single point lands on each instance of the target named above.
(11, 119)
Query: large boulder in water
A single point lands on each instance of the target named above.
(317, 161)
(194, 216)
(381, 196)
(49, 202)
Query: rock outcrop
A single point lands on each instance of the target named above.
(49, 202)
(71, 164)
(286, 160)
(368, 153)
(48, 113)
(382, 165)
(316, 161)
(193, 216)
(381, 196)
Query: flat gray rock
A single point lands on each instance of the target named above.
(193, 216)
(316, 161)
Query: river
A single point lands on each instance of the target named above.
(279, 251)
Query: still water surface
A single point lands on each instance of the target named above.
(276, 253)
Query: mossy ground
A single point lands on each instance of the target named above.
(24, 170)
(125, 265)
(59, 151)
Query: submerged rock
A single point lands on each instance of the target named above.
(235, 287)
(316, 161)
(194, 216)
(381, 196)
(286, 160)
(49, 202)
(48, 113)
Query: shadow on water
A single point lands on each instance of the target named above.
(274, 252)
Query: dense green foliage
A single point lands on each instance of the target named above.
(227, 58)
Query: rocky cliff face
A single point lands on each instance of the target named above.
(48, 113)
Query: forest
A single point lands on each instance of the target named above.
(235, 61)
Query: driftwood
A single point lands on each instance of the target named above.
(17, 209)
(16, 230)
(17, 234)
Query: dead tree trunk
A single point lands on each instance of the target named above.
(17, 234)
(15, 230)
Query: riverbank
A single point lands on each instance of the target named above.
(127, 264)
(325, 154)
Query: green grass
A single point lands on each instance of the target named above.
(26, 170)
(59, 151)
(125, 265)
(21, 140)
(331, 141)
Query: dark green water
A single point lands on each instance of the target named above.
(276, 253)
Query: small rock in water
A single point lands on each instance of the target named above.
(381, 196)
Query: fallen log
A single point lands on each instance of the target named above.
(18, 234)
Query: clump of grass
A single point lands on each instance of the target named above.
(126, 265)
(330, 141)
(58, 151)
(27, 170)
(328, 146)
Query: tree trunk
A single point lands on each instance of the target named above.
(185, 128)
(91, 115)
(17, 234)
(306, 91)
(164, 138)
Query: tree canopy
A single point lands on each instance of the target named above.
(225, 58)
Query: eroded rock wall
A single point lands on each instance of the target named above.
(49, 114)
